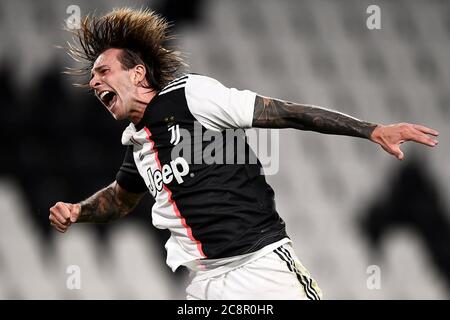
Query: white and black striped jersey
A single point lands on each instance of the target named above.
(213, 210)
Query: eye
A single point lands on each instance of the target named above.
(104, 71)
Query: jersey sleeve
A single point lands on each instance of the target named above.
(217, 107)
(128, 176)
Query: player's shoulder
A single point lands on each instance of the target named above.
(175, 84)
(189, 81)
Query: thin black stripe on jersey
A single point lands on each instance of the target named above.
(174, 83)
(176, 80)
(172, 86)
(212, 210)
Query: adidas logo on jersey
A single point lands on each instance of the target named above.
(177, 168)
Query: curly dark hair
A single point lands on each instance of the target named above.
(142, 34)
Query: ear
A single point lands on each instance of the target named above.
(139, 74)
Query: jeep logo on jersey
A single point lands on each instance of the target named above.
(177, 169)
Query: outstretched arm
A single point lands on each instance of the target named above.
(273, 113)
(108, 204)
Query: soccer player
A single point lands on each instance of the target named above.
(222, 217)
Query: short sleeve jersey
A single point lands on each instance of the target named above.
(210, 195)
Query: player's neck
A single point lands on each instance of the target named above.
(140, 104)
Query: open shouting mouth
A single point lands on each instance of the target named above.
(108, 98)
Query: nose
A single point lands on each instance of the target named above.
(95, 82)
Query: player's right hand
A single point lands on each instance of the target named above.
(62, 215)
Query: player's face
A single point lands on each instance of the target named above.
(113, 85)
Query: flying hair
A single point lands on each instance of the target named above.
(143, 36)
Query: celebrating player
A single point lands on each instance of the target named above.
(222, 217)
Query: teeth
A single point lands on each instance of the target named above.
(103, 94)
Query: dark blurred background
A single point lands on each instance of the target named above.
(347, 204)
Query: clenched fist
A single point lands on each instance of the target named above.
(62, 215)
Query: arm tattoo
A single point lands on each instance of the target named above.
(271, 113)
(109, 204)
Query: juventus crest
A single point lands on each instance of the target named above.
(175, 137)
(174, 129)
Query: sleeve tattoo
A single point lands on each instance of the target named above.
(272, 113)
(108, 204)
